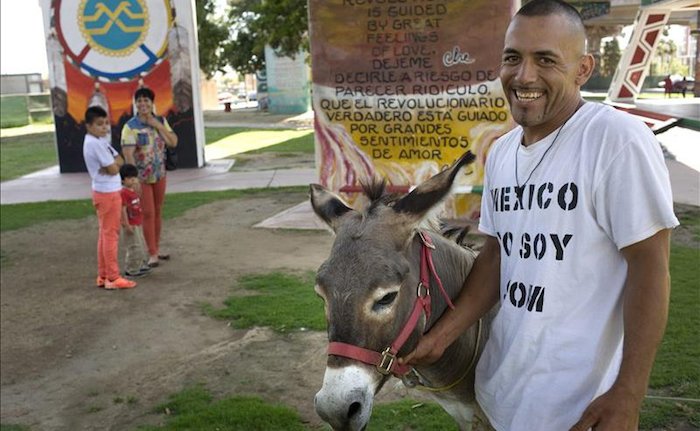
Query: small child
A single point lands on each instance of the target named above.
(132, 218)
(103, 164)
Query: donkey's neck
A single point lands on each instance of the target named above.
(452, 264)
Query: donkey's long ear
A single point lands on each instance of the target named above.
(431, 192)
(327, 205)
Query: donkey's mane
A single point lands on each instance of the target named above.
(375, 190)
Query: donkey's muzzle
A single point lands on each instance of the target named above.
(345, 400)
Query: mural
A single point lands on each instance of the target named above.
(401, 90)
(101, 51)
(287, 83)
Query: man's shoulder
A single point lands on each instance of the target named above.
(602, 115)
(611, 131)
(513, 134)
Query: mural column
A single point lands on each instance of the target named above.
(402, 89)
(101, 51)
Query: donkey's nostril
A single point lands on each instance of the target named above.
(354, 408)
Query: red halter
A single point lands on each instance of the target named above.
(386, 360)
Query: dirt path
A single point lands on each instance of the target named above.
(69, 349)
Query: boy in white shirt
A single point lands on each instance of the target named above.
(103, 164)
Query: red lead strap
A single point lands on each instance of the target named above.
(426, 263)
(386, 360)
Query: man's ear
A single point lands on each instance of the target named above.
(585, 69)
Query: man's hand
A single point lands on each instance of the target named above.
(128, 229)
(427, 352)
(478, 296)
(645, 310)
(615, 410)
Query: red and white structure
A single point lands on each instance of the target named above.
(634, 64)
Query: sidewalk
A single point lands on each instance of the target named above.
(50, 184)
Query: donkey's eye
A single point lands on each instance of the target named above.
(385, 301)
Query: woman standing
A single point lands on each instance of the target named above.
(144, 139)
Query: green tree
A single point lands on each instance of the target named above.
(282, 24)
(610, 58)
(212, 33)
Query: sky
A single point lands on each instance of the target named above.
(22, 42)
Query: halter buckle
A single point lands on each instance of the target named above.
(422, 290)
(388, 358)
(425, 239)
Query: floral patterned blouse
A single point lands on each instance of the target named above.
(149, 155)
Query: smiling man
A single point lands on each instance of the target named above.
(577, 213)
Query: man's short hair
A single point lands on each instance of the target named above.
(145, 92)
(128, 171)
(93, 113)
(551, 7)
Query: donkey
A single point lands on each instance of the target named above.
(385, 283)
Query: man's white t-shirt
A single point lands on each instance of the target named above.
(98, 153)
(556, 342)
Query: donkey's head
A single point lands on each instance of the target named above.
(369, 287)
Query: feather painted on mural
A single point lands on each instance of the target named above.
(99, 99)
(59, 95)
(180, 70)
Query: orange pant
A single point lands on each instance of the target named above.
(109, 213)
(152, 198)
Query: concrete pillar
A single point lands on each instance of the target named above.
(634, 64)
(696, 33)
(594, 35)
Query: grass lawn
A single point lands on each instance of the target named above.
(228, 142)
(303, 144)
(23, 154)
(676, 372)
(17, 216)
(283, 302)
(28, 151)
(194, 409)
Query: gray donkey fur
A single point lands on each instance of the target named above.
(369, 284)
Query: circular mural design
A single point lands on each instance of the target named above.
(113, 27)
(113, 40)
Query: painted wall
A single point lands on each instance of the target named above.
(101, 51)
(287, 83)
(402, 89)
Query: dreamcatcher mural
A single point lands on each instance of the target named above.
(101, 51)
